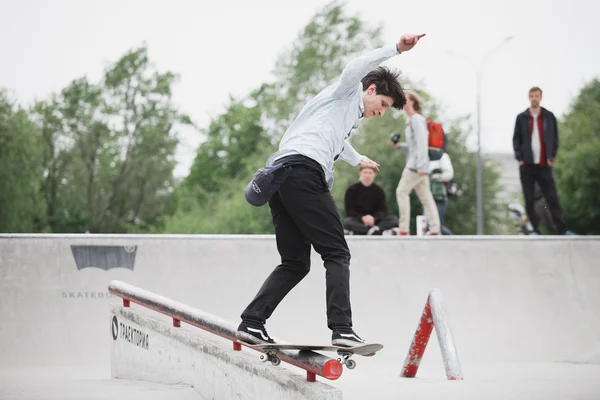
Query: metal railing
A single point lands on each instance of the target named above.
(313, 363)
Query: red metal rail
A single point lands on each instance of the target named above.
(313, 363)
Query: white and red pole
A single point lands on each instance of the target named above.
(433, 315)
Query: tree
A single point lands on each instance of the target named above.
(20, 175)
(232, 139)
(109, 149)
(255, 123)
(68, 126)
(315, 60)
(578, 161)
(240, 140)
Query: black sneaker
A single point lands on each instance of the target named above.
(345, 336)
(253, 332)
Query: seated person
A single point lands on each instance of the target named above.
(365, 209)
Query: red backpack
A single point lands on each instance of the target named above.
(437, 140)
(436, 135)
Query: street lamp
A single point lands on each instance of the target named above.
(479, 172)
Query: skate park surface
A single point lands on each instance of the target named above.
(524, 312)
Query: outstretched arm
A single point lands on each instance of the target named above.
(356, 69)
(352, 157)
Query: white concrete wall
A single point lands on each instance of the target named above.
(508, 299)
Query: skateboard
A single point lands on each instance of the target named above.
(270, 351)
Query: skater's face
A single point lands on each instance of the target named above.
(375, 104)
(367, 176)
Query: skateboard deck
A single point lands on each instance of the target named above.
(362, 350)
(270, 351)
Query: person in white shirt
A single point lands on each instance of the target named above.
(441, 173)
(415, 175)
(303, 210)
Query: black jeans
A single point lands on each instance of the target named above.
(355, 225)
(543, 212)
(441, 207)
(530, 173)
(305, 214)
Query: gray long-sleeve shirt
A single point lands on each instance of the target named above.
(322, 128)
(417, 139)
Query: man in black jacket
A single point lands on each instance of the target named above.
(535, 143)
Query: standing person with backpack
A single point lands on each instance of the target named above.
(415, 175)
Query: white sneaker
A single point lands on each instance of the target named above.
(373, 230)
(345, 336)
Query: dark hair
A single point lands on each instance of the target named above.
(387, 84)
(535, 89)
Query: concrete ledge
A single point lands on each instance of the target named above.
(150, 349)
(268, 237)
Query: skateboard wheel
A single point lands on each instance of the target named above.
(263, 357)
(350, 364)
(275, 361)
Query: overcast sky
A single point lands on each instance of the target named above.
(46, 44)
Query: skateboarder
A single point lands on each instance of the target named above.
(297, 181)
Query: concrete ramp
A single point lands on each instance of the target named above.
(148, 348)
(524, 311)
